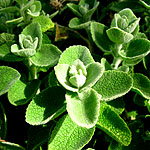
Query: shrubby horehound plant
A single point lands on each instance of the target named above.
(80, 97)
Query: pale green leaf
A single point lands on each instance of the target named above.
(100, 37)
(119, 36)
(113, 84)
(77, 23)
(79, 110)
(48, 55)
(45, 22)
(69, 136)
(20, 93)
(35, 31)
(111, 123)
(8, 77)
(76, 52)
(141, 84)
(47, 105)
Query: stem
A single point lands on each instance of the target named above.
(116, 62)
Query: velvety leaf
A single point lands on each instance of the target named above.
(111, 123)
(48, 55)
(77, 23)
(6, 55)
(74, 8)
(47, 105)
(139, 100)
(141, 84)
(79, 110)
(94, 72)
(52, 80)
(10, 146)
(113, 84)
(22, 52)
(106, 64)
(119, 36)
(6, 37)
(45, 22)
(34, 30)
(20, 93)
(100, 37)
(3, 122)
(69, 136)
(76, 52)
(8, 77)
(136, 51)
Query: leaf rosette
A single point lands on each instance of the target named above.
(29, 41)
(123, 27)
(78, 76)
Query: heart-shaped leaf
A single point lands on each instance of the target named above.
(47, 105)
(8, 77)
(113, 84)
(48, 55)
(135, 51)
(111, 123)
(141, 84)
(69, 136)
(79, 110)
(100, 37)
(76, 52)
(20, 93)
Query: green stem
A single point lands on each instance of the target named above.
(116, 62)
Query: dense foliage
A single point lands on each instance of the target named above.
(74, 74)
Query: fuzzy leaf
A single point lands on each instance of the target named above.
(113, 84)
(45, 106)
(119, 36)
(6, 55)
(6, 37)
(48, 55)
(69, 136)
(3, 122)
(136, 51)
(77, 23)
(8, 77)
(34, 30)
(45, 22)
(111, 123)
(141, 84)
(20, 93)
(10, 146)
(100, 37)
(76, 52)
(79, 110)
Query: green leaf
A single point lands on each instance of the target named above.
(3, 122)
(45, 22)
(113, 84)
(100, 37)
(8, 77)
(139, 100)
(111, 123)
(119, 36)
(106, 64)
(77, 23)
(76, 52)
(34, 30)
(74, 8)
(135, 51)
(6, 37)
(47, 105)
(6, 55)
(69, 136)
(48, 55)
(21, 93)
(141, 84)
(10, 146)
(79, 110)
